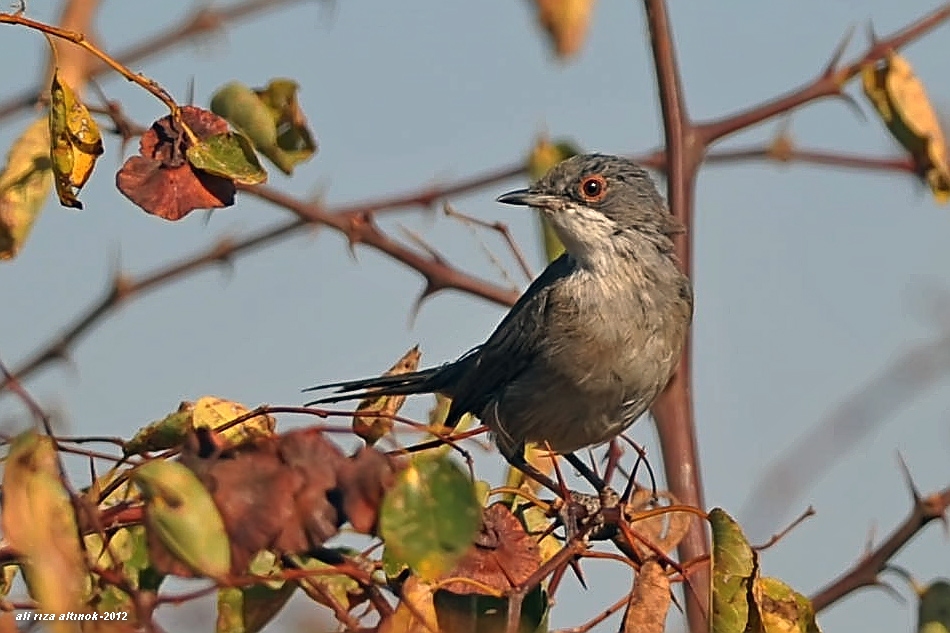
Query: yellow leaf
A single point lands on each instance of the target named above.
(75, 142)
(212, 412)
(902, 103)
(404, 620)
(566, 22)
(40, 525)
(24, 185)
(372, 428)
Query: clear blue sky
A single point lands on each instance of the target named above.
(810, 281)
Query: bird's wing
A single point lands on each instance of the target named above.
(510, 348)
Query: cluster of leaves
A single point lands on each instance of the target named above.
(227, 499)
(190, 159)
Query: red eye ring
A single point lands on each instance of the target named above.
(593, 188)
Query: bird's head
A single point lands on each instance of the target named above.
(600, 205)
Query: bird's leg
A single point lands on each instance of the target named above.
(586, 472)
(516, 459)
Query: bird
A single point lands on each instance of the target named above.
(594, 339)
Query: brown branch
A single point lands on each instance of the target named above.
(124, 289)
(200, 23)
(865, 572)
(348, 219)
(828, 84)
(673, 411)
(813, 157)
(356, 223)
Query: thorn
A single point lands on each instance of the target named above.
(888, 589)
(613, 455)
(358, 223)
(853, 104)
(906, 575)
(838, 52)
(782, 146)
(430, 289)
(578, 573)
(869, 541)
(122, 287)
(872, 36)
(908, 479)
(416, 239)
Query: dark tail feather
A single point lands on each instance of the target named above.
(424, 381)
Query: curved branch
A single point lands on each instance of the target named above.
(828, 84)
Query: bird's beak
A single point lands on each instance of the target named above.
(525, 197)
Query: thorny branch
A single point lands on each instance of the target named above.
(865, 572)
(687, 143)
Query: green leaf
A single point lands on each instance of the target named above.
(429, 517)
(182, 514)
(271, 118)
(734, 568)
(933, 614)
(250, 609)
(229, 155)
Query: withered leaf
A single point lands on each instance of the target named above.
(373, 427)
(502, 554)
(160, 179)
(289, 493)
(663, 531)
(649, 600)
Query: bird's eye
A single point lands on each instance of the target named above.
(593, 188)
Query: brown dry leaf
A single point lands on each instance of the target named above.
(664, 531)
(372, 428)
(902, 103)
(289, 493)
(502, 554)
(25, 183)
(404, 620)
(160, 179)
(649, 600)
(566, 22)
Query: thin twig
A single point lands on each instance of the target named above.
(501, 228)
(199, 23)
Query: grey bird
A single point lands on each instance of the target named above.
(593, 340)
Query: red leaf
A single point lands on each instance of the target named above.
(161, 181)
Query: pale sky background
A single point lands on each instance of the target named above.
(809, 280)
